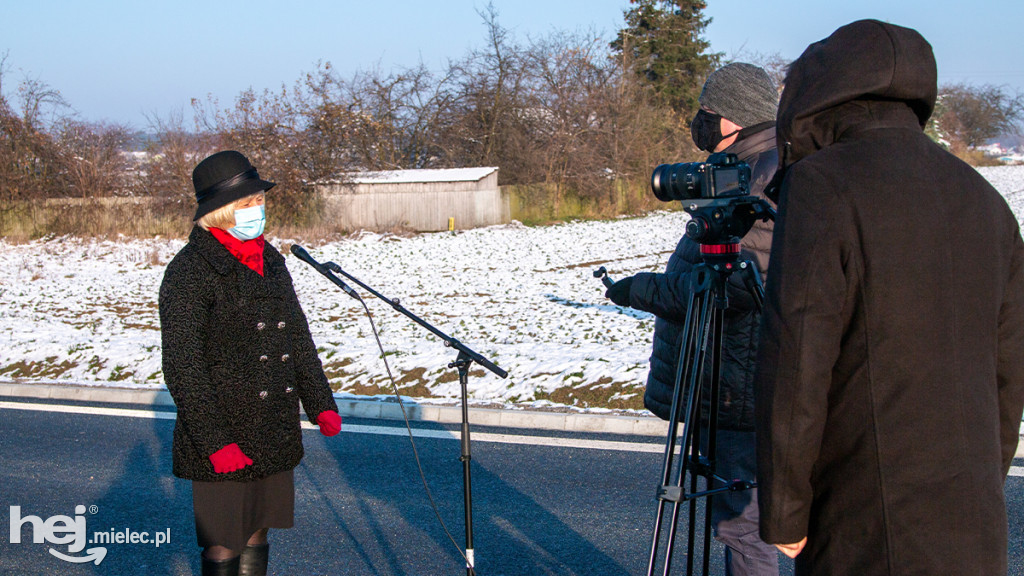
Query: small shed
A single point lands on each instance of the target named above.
(421, 200)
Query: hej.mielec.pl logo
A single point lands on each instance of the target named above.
(71, 531)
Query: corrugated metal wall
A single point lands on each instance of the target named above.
(420, 206)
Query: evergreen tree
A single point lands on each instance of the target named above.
(662, 43)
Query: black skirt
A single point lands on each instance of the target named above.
(228, 513)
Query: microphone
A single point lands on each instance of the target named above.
(305, 257)
(324, 269)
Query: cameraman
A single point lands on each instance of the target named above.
(738, 106)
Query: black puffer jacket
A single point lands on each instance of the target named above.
(237, 357)
(665, 295)
(891, 381)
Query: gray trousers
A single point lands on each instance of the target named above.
(734, 515)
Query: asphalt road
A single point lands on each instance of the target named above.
(553, 508)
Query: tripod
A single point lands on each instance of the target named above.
(705, 312)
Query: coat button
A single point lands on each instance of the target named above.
(285, 358)
(263, 394)
(280, 325)
(263, 358)
(261, 326)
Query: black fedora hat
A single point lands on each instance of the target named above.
(222, 178)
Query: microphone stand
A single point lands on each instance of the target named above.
(462, 362)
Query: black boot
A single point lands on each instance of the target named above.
(254, 560)
(220, 567)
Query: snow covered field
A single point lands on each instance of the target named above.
(85, 311)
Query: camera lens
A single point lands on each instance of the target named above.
(677, 181)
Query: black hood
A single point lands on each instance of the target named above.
(865, 71)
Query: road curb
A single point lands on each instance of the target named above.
(374, 409)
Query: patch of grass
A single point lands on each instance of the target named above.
(336, 373)
(605, 393)
(96, 364)
(97, 217)
(120, 373)
(415, 383)
(539, 204)
(452, 375)
(48, 368)
(78, 348)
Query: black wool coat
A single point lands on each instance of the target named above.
(237, 358)
(665, 295)
(891, 378)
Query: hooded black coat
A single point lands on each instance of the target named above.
(665, 295)
(891, 380)
(237, 357)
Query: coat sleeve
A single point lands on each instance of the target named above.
(185, 301)
(314, 390)
(802, 327)
(1011, 354)
(665, 295)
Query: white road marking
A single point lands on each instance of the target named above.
(361, 429)
(392, 431)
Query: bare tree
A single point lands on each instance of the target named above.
(488, 124)
(28, 155)
(398, 117)
(92, 159)
(969, 115)
(267, 128)
(169, 157)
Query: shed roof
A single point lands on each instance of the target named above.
(436, 175)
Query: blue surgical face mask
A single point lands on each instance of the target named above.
(249, 223)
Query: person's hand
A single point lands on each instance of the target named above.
(229, 459)
(619, 292)
(792, 550)
(329, 422)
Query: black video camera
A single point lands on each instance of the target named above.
(721, 175)
(716, 195)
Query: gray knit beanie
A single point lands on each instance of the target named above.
(741, 93)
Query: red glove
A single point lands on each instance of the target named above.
(229, 459)
(330, 422)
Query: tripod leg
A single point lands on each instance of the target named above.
(691, 424)
(694, 434)
(718, 322)
(685, 348)
(687, 352)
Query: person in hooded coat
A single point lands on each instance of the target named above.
(890, 379)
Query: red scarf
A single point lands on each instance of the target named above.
(248, 252)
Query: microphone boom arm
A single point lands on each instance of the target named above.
(448, 340)
(327, 269)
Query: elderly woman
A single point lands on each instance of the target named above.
(237, 358)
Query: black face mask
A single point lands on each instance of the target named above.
(706, 130)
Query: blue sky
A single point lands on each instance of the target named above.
(118, 60)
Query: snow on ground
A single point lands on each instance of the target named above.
(1010, 181)
(84, 311)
